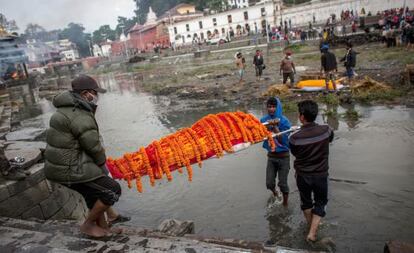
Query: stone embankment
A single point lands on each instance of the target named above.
(64, 236)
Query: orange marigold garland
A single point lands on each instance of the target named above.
(208, 137)
(175, 153)
(194, 146)
(135, 168)
(164, 160)
(147, 165)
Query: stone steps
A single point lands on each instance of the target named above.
(5, 114)
(64, 236)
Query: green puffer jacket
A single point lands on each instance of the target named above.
(74, 152)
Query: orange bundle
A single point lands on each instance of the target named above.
(211, 136)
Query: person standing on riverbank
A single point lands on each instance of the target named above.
(310, 146)
(278, 161)
(349, 62)
(287, 69)
(258, 63)
(241, 65)
(328, 65)
(75, 156)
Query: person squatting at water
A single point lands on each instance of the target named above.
(278, 162)
(258, 63)
(75, 156)
(328, 65)
(310, 146)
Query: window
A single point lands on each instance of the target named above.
(246, 15)
(200, 24)
(214, 21)
(229, 19)
(263, 11)
(187, 27)
(202, 36)
(223, 31)
(175, 30)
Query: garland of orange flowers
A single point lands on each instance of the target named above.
(193, 146)
(175, 153)
(203, 149)
(223, 130)
(218, 149)
(164, 162)
(233, 131)
(125, 172)
(220, 134)
(147, 165)
(135, 168)
(212, 135)
(241, 126)
(184, 159)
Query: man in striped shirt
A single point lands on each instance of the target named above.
(310, 146)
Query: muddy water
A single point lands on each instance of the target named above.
(370, 201)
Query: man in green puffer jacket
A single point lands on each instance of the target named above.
(75, 156)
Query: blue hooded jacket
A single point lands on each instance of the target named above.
(284, 124)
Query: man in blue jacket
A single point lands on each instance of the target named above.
(278, 162)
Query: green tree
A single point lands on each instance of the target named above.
(124, 24)
(75, 33)
(103, 33)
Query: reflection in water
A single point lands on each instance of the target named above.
(330, 116)
(228, 196)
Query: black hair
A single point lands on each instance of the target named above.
(349, 44)
(309, 109)
(271, 101)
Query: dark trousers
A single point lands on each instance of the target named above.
(291, 76)
(259, 70)
(104, 188)
(316, 185)
(277, 168)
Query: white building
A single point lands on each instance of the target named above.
(274, 13)
(69, 54)
(238, 20)
(238, 3)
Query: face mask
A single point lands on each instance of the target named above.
(94, 99)
(288, 57)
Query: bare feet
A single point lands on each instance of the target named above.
(93, 230)
(311, 238)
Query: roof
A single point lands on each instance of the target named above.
(136, 27)
(174, 11)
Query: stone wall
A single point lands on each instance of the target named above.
(36, 197)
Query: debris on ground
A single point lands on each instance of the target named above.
(408, 75)
(368, 85)
(279, 90)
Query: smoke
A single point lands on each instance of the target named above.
(58, 14)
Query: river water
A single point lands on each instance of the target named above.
(371, 194)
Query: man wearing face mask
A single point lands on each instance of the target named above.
(287, 68)
(75, 156)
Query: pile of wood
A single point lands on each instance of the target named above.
(368, 85)
(278, 90)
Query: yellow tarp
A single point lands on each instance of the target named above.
(315, 83)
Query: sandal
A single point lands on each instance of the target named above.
(120, 219)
